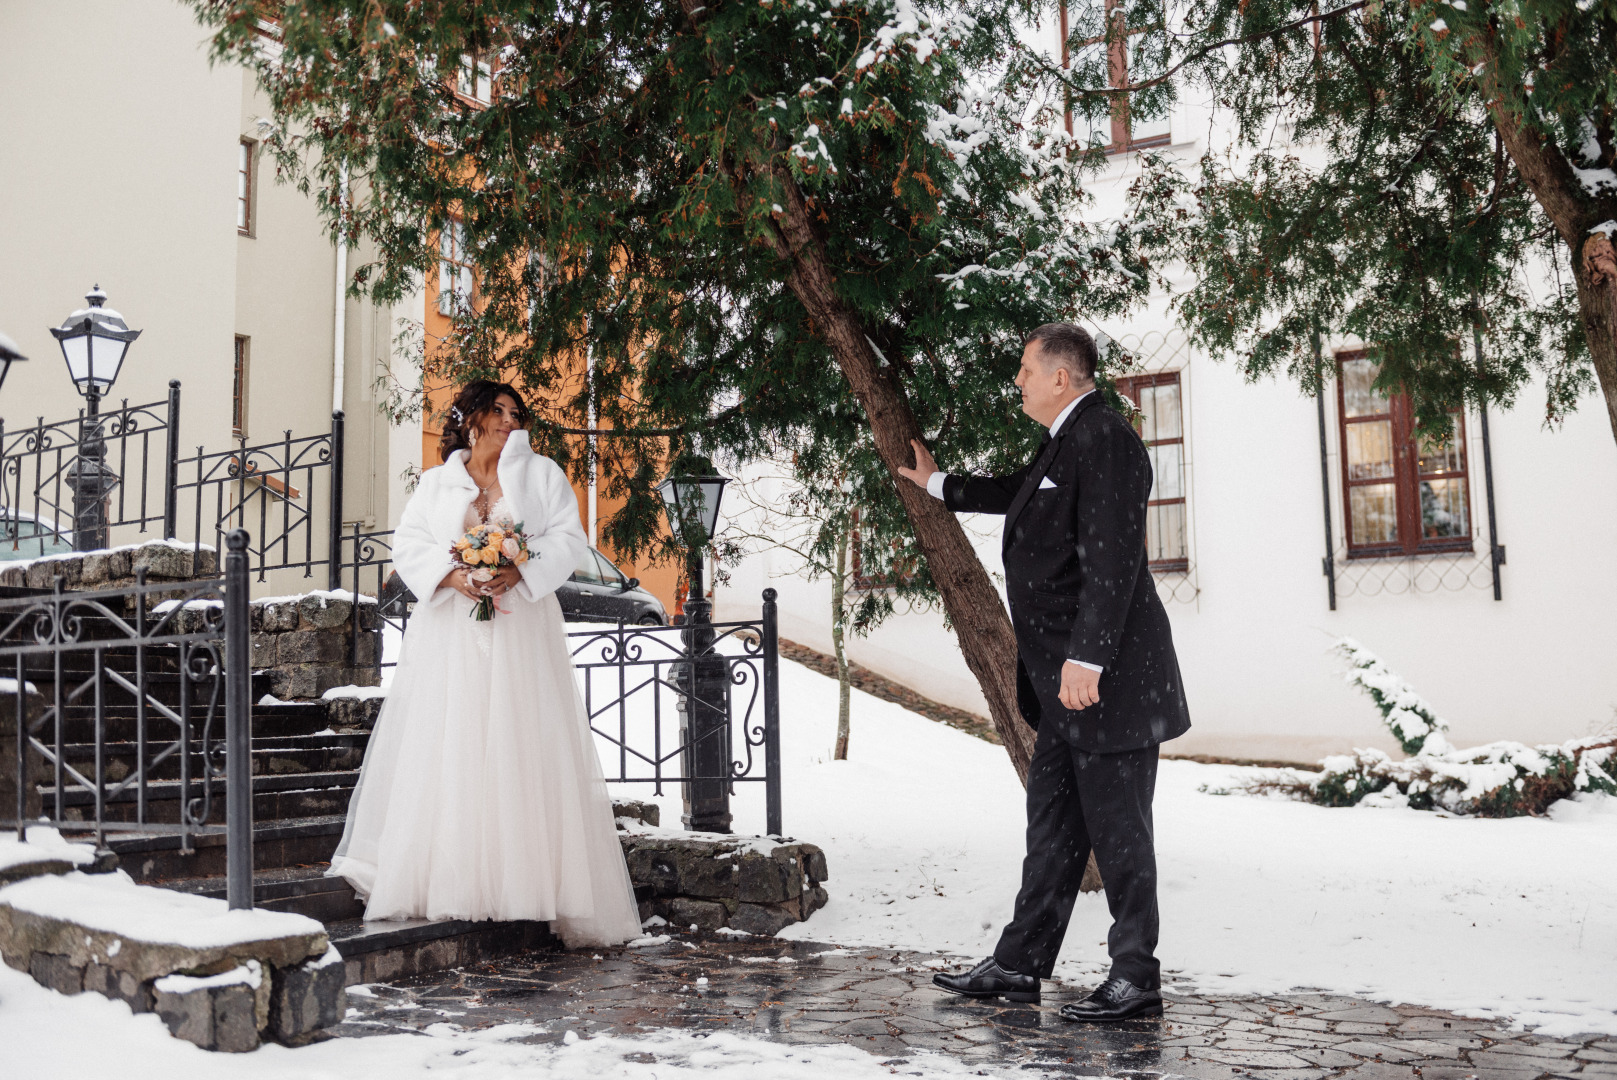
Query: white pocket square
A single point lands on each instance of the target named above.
(1046, 482)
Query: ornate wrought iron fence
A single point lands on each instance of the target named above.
(41, 466)
(693, 705)
(368, 559)
(274, 489)
(132, 697)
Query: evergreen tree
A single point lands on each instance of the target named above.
(807, 227)
(1443, 158)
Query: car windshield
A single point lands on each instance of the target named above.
(22, 536)
(609, 573)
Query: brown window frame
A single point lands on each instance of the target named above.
(1117, 72)
(238, 391)
(244, 195)
(1406, 476)
(455, 229)
(1129, 386)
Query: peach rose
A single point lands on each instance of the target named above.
(509, 546)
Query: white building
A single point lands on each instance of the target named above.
(1239, 542)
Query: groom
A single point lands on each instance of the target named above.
(1096, 676)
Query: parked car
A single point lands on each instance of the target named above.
(597, 591)
(24, 536)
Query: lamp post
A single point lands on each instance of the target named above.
(93, 340)
(692, 503)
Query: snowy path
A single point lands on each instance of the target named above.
(1495, 918)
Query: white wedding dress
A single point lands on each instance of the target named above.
(481, 796)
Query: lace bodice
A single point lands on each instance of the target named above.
(498, 513)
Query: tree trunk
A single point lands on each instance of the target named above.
(973, 606)
(838, 618)
(1573, 212)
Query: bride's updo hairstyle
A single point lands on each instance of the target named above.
(471, 407)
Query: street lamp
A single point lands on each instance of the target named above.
(692, 503)
(8, 356)
(94, 341)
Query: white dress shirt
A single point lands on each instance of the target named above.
(934, 483)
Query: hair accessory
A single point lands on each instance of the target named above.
(454, 410)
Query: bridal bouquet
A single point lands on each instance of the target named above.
(485, 550)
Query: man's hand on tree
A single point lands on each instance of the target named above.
(924, 465)
(1080, 686)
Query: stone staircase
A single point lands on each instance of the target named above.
(304, 773)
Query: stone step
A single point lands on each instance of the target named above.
(292, 754)
(119, 719)
(302, 889)
(276, 845)
(293, 795)
(398, 949)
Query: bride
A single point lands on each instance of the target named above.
(481, 796)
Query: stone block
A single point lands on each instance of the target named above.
(311, 647)
(764, 920)
(814, 865)
(635, 810)
(368, 649)
(767, 880)
(56, 971)
(221, 1012)
(352, 713)
(308, 997)
(684, 911)
(370, 616)
(205, 563)
(323, 613)
(13, 576)
(271, 618)
(43, 574)
(266, 648)
(162, 562)
(118, 985)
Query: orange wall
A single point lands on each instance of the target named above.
(666, 583)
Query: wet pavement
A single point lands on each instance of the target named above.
(882, 1001)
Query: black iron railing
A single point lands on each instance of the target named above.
(136, 701)
(45, 476)
(275, 491)
(697, 706)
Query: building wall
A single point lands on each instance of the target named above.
(129, 180)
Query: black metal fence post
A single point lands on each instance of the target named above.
(705, 715)
(771, 643)
(238, 728)
(171, 464)
(336, 499)
(1496, 553)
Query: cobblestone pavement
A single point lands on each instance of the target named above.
(883, 1002)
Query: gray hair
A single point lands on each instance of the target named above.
(1067, 345)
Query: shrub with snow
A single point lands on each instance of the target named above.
(1502, 779)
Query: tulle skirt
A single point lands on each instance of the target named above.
(481, 796)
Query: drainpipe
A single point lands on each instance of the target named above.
(589, 371)
(340, 312)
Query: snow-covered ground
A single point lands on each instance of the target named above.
(1513, 919)
(922, 828)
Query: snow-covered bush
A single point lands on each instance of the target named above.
(1406, 714)
(1502, 779)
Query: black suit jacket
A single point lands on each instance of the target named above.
(1079, 585)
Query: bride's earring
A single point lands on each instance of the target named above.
(471, 437)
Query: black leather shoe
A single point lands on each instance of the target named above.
(989, 980)
(1115, 999)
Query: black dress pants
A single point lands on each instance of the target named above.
(1077, 801)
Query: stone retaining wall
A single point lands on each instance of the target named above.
(114, 568)
(303, 643)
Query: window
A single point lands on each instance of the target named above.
(588, 570)
(1163, 429)
(1123, 133)
(454, 274)
(1406, 494)
(475, 80)
(610, 574)
(244, 187)
(238, 393)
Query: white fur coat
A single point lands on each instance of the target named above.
(539, 495)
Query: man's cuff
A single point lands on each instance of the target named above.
(934, 484)
(1091, 667)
